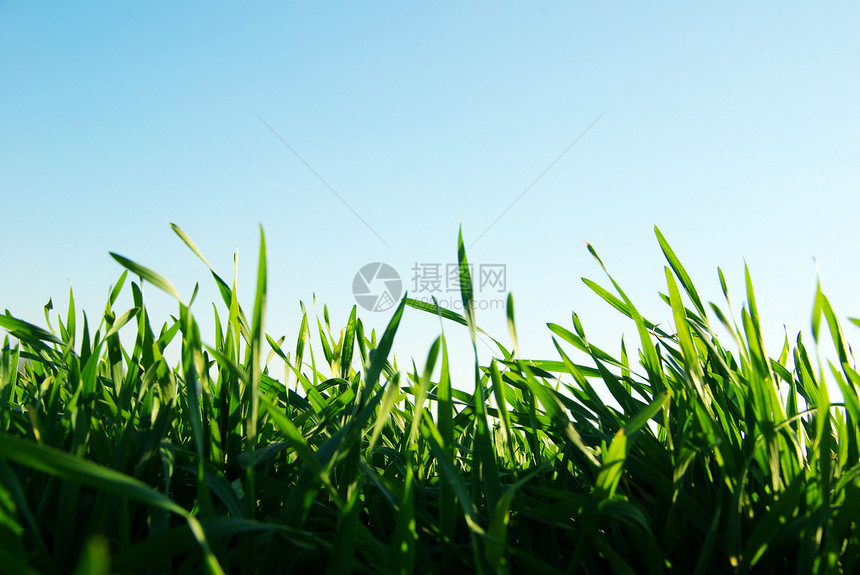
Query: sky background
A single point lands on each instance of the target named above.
(732, 127)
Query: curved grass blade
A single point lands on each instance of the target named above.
(148, 275)
(121, 321)
(26, 331)
(652, 361)
(190, 243)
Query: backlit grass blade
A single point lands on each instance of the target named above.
(502, 406)
(223, 288)
(652, 362)
(836, 334)
(485, 467)
(392, 395)
(685, 339)
(70, 319)
(348, 345)
(227, 363)
(421, 393)
(589, 396)
(190, 243)
(555, 410)
(444, 313)
(512, 329)
(148, 275)
(431, 308)
(324, 341)
(294, 435)
(193, 371)
(379, 356)
(27, 331)
(612, 466)
(445, 416)
(619, 305)
(466, 292)
(121, 321)
(256, 359)
(681, 273)
(115, 290)
(580, 343)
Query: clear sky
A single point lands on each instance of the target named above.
(733, 127)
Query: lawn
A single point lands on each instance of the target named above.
(254, 455)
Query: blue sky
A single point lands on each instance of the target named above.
(732, 127)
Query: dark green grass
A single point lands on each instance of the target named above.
(710, 459)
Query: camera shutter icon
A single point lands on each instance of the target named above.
(377, 286)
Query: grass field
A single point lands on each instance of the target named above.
(321, 454)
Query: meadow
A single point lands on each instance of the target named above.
(321, 454)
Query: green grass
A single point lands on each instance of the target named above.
(710, 459)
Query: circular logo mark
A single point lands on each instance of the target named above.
(376, 286)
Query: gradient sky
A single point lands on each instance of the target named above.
(732, 127)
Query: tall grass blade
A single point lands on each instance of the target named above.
(682, 274)
(147, 274)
